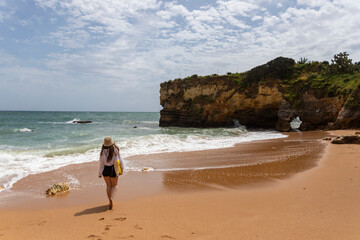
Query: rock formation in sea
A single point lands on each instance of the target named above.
(85, 121)
(268, 96)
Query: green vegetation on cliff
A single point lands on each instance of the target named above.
(339, 79)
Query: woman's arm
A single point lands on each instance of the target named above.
(101, 166)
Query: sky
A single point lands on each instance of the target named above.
(112, 55)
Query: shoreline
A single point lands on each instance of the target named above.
(320, 203)
(281, 158)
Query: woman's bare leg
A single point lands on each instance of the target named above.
(114, 182)
(108, 189)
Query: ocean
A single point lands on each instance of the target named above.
(36, 142)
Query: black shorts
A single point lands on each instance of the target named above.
(109, 171)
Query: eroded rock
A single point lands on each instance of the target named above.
(147, 169)
(351, 139)
(57, 188)
(78, 121)
(262, 97)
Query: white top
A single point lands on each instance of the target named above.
(103, 160)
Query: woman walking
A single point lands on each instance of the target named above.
(108, 168)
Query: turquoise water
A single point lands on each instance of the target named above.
(34, 142)
(54, 130)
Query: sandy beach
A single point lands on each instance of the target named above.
(312, 193)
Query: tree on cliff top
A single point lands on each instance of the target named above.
(279, 68)
(342, 64)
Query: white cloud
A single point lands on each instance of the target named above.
(236, 7)
(172, 10)
(256, 18)
(312, 3)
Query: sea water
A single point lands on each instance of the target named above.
(35, 142)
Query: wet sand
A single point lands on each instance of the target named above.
(242, 166)
(320, 202)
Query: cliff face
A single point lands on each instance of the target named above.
(221, 103)
(270, 102)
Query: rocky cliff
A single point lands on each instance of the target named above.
(268, 96)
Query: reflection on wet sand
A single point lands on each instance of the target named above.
(274, 159)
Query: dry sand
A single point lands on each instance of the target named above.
(319, 203)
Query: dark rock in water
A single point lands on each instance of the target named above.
(352, 139)
(57, 188)
(82, 121)
(135, 127)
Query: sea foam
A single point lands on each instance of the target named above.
(22, 130)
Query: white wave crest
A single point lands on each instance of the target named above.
(24, 130)
(72, 121)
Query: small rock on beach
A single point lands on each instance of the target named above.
(57, 188)
(146, 169)
(351, 139)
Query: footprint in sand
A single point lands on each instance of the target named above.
(127, 237)
(94, 236)
(107, 228)
(167, 236)
(138, 227)
(120, 219)
(41, 223)
(101, 219)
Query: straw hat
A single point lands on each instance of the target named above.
(108, 141)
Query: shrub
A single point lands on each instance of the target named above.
(302, 60)
(341, 63)
(279, 68)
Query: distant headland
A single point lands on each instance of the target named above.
(322, 95)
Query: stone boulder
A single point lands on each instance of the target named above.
(351, 139)
(57, 188)
(147, 169)
(78, 121)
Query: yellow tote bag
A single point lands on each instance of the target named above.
(120, 171)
